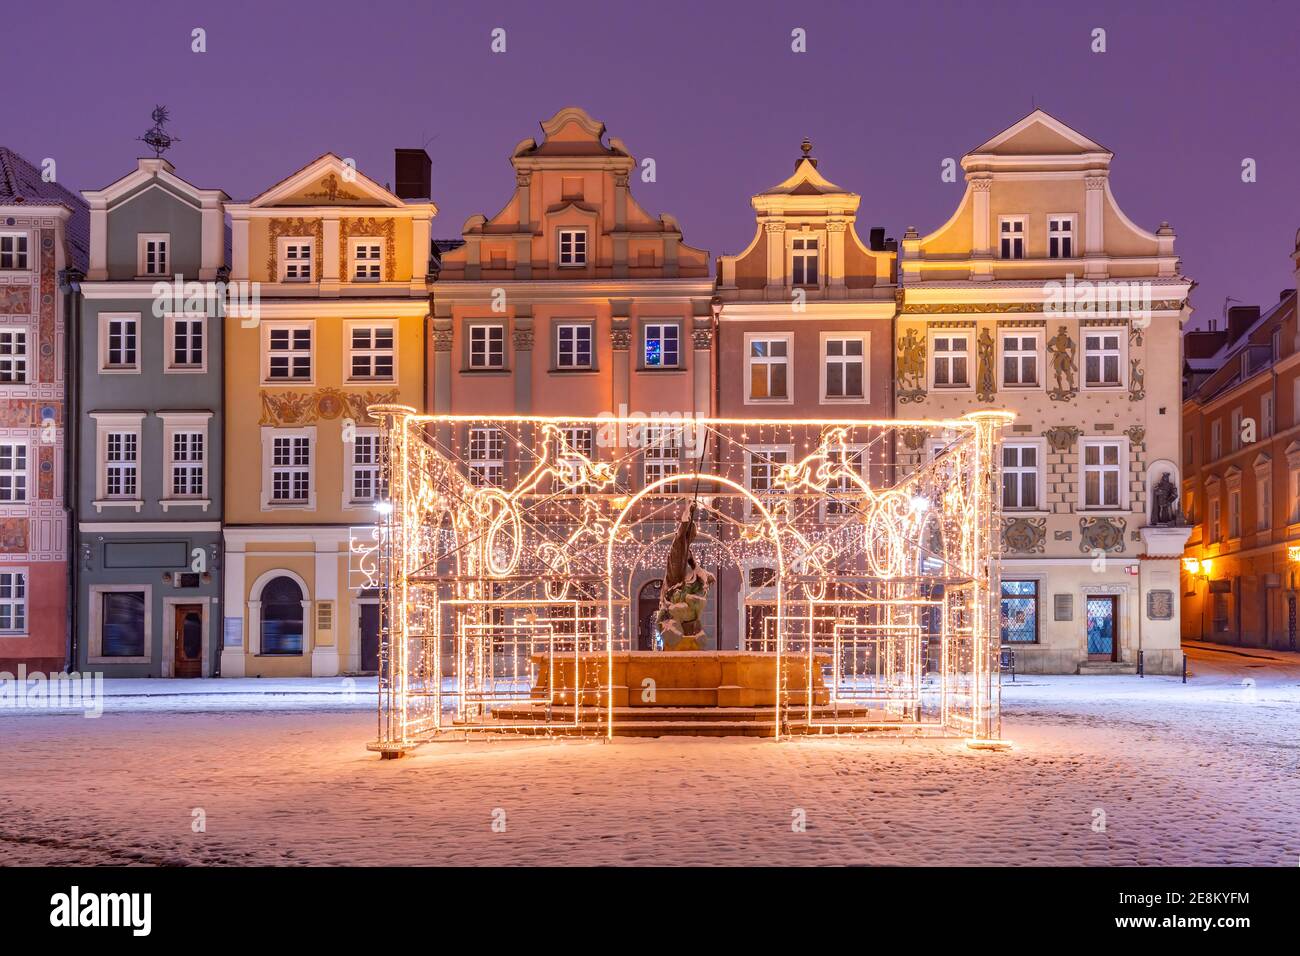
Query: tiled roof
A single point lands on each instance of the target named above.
(21, 182)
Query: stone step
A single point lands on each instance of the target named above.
(1102, 668)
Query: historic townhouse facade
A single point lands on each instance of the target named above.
(149, 428)
(805, 331)
(573, 301)
(1241, 487)
(342, 266)
(42, 250)
(1040, 296)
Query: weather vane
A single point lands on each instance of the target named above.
(157, 138)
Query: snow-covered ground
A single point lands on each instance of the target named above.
(1103, 771)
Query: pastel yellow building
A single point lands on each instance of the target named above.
(1040, 296)
(341, 264)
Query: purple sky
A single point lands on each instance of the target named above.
(712, 91)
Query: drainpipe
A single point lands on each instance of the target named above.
(70, 287)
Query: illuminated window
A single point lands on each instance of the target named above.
(662, 345)
(769, 368)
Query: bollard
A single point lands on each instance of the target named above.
(1142, 671)
(1184, 668)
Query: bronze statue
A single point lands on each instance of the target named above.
(685, 592)
(1163, 498)
(1061, 349)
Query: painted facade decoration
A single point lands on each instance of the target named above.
(1082, 308)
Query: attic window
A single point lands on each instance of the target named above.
(572, 188)
(573, 247)
(805, 261)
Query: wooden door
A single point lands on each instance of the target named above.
(369, 627)
(188, 635)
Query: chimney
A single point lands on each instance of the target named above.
(876, 239)
(413, 172)
(1240, 318)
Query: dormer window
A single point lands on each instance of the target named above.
(804, 261)
(155, 255)
(1060, 237)
(295, 262)
(367, 260)
(573, 247)
(1012, 233)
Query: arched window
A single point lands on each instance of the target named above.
(282, 617)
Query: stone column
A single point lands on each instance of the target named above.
(835, 229)
(1094, 234)
(620, 270)
(522, 340)
(775, 259)
(234, 605)
(621, 337)
(981, 244)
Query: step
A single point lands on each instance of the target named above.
(1102, 668)
(666, 715)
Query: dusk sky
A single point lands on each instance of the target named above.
(712, 91)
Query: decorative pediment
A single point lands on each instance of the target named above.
(1040, 134)
(1262, 463)
(1293, 454)
(327, 181)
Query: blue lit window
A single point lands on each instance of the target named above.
(662, 346)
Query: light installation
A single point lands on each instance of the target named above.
(856, 566)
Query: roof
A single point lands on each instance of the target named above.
(22, 183)
(1226, 366)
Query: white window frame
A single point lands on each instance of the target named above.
(192, 423)
(1120, 352)
(1039, 471)
(371, 263)
(1214, 521)
(1293, 492)
(292, 352)
(26, 252)
(968, 334)
(107, 423)
(1263, 501)
(285, 262)
(106, 321)
(269, 468)
(656, 329)
(19, 588)
(751, 360)
(573, 257)
(10, 335)
(1234, 430)
(485, 454)
(16, 475)
(1019, 355)
(1121, 468)
(832, 510)
(350, 350)
(172, 328)
(579, 441)
(143, 240)
(587, 327)
(864, 360)
(1216, 438)
(1054, 232)
(762, 455)
(1234, 513)
(363, 437)
(1011, 235)
(95, 651)
(803, 254)
(486, 329)
(661, 453)
(1266, 416)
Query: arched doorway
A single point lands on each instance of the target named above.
(647, 609)
(282, 617)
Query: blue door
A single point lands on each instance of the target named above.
(1102, 621)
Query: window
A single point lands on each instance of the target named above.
(121, 464)
(1102, 474)
(13, 602)
(367, 260)
(1234, 438)
(579, 443)
(187, 464)
(13, 356)
(769, 368)
(804, 261)
(487, 346)
(487, 456)
(1019, 612)
(1011, 231)
(1234, 513)
(13, 471)
(288, 353)
(573, 247)
(1219, 613)
(295, 260)
(842, 491)
(950, 361)
(372, 353)
(154, 258)
(1101, 359)
(1019, 361)
(281, 627)
(662, 345)
(1264, 504)
(1265, 416)
(120, 335)
(1216, 518)
(13, 251)
(122, 623)
(574, 346)
(844, 360)
(1019, 477)
(1216, 438)
(663, 452)
(1060, 237)
(290, 469)
(185, 343)
(1293, 480)
(764, 466)
(364, 478)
